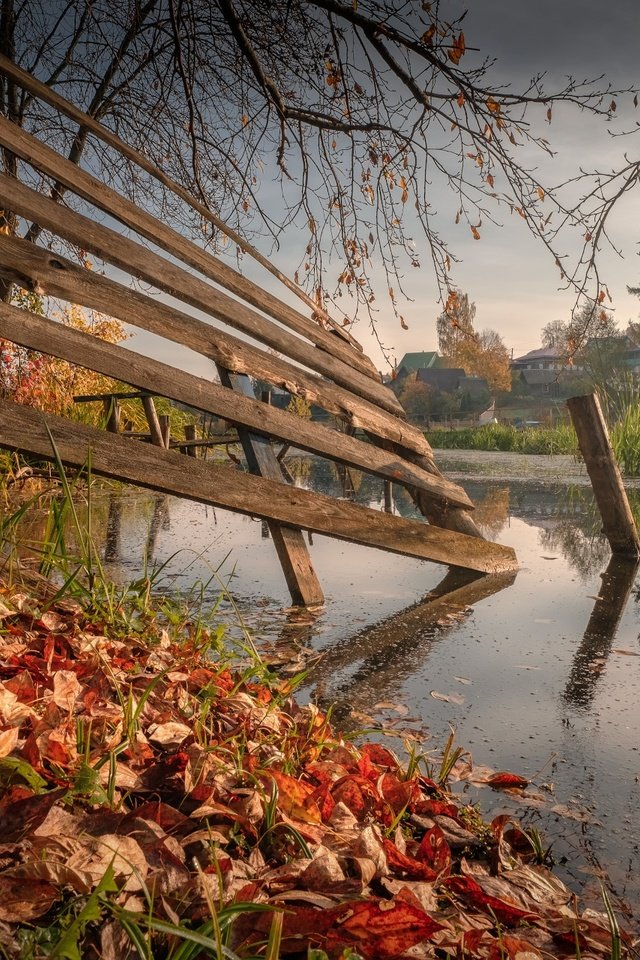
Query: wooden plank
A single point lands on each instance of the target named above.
(142, 263)
(593, 438)
(25, 430)
(248, 291)
(293, 555)
(34, 268)
(39, 333)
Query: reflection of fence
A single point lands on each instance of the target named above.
(318, 362)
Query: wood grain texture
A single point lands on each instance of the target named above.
(25, 430)
(232, 279)
(38, 269)
(39, 333)
(148, 266)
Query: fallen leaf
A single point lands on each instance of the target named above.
(66, 690)
(507, 781)
(20, 902)
(448, 697)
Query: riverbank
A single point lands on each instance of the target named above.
(165, 797)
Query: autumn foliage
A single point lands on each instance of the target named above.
(46, 382)
(155, 798)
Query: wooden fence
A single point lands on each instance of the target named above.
(277, 343)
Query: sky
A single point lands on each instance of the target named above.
(508, 275)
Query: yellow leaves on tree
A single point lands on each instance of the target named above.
(478, 354)
(49, 383)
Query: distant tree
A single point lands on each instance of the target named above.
(479, 354)
(554, 334)
(416, 397)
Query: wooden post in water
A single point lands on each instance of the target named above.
(593, 438)
(112, 414)
(152, 420)
(190, 434)
(165, 429)
(295, 561)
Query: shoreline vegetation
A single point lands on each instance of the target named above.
(164, 795)
(624, 435)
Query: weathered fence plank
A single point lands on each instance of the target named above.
(336, 340)
(292, 551)
(39, 333)
(34, 268)
(25, 430)
(172, 279)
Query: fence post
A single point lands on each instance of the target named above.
(593, 438)
(152, 420)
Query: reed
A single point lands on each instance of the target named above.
(505, 437)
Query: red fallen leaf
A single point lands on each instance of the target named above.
(296, 798)
(357, 793)
(380, 928)
(505, 912)
(397, 793)
(434, 850)
(23, 687)
(170, 819)
(300, 925)
(570, 939)
(415, 869)
(511, 948)
(199, 678)
(436, 808)
(325, 802)
(326, 772)
(507, 781)
(428, 783)
(20, 901)
(368, 769)
(224, 680)
(261, 693)
(379, 755)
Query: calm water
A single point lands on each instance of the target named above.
(541, 677)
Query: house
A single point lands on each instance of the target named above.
(412, 362)
(545, 358)
(445, 379)
(453, 379)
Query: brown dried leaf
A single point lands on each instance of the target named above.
(66, 690)
(20, 902)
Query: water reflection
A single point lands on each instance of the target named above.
(391, 651)
(590, 658)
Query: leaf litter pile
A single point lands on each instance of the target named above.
(156, 802)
